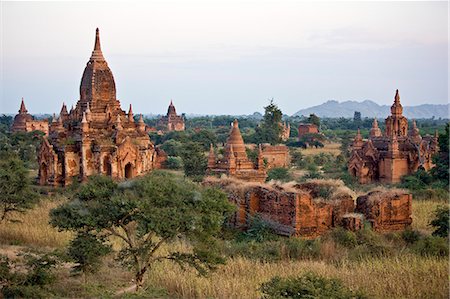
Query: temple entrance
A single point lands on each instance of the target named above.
(129, 171)
(43, 174)
(354, 172)
(107, 168)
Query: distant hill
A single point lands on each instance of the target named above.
(372, 109)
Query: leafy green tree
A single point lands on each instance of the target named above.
(147, 213)
(269, 131)
(357, 117)
(174, 163)
(87, 250)
(314, 119)
(441, 160)
(172, 147)
(205, 138)
(194, 160)
(16, 194)
(441, 221)
(31, 283)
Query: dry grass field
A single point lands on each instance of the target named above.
(330, 148)
(404, 276)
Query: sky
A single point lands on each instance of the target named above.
(226, 57)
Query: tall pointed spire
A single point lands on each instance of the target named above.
(397, 108)
(22, 109)
(97, 53)
(375, 131)
(130, 114)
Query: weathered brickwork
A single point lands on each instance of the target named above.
(386, 210)
(313, 208)
(307, 129)
(235, 162)
(276, 155)
(171, 121)
(24, 122)
(389, 156)
(97, 136)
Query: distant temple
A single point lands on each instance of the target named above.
(24, 122)
(389, 156)
(235, 162)
(97, 136)
(307, 129)
(171, 121)
(285, 131)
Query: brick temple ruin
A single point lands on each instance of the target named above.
(24, 122)
(304, 129)
(235, 162)
(172, 121)
(389, 156)
(97, 136)
(315, 207)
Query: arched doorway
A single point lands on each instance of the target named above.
(107, 168)
(129, 171)
(43, 174)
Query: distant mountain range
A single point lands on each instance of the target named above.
(371, 109)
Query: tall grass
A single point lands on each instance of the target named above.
(408, 276)
(423, 213)
(33, 229)
(331, 148)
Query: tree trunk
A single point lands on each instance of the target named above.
(140, 278)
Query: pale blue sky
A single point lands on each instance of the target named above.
(226, 57)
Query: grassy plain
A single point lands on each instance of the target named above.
(400, 276)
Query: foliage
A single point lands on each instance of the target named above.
(22, 145)
(357, 116)
(280, 174)
(440, 222)
(312, 139)
(174, 163)
(308, 285)
(432, 246)
(172, 147)
(441, 160)
(194, 160)
(146, 213)
(269, 131)
(16, 194)
(87, 250)
(259, 231)
(314, 119)
(33, 281)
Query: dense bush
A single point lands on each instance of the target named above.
(308, 285)
(279, 174)
(175, 163)
(440, 221)
(432, 246)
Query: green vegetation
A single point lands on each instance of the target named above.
(269, 131)
(16, 194)
(308, 285)
(145, 214)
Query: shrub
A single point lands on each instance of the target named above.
(440, 221)
(259, 230)
(281, 174)
(175, 163)
(432, 246)
(308, 285)
(296, 248)
(344, 237)
(410, 236)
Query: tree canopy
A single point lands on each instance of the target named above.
(145, 214)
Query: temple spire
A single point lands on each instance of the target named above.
(397, 108)
(22, 109)
(97, 53)
(130, 114)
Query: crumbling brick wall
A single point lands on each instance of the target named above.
(386, 210)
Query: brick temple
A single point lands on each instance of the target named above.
(235, 162)
(97, 136)
(388, 156)
(171, 121)
(24, 122)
